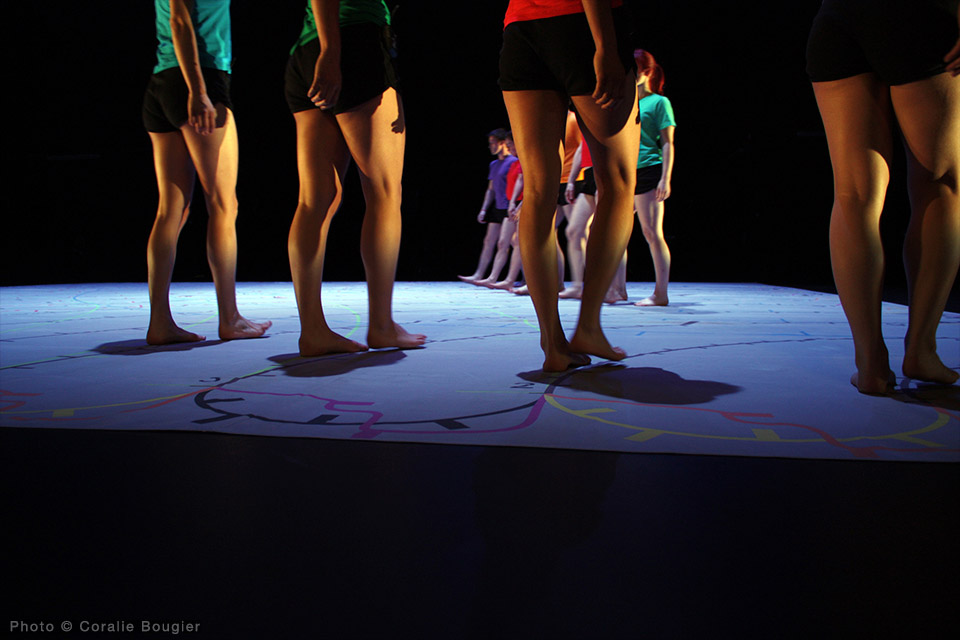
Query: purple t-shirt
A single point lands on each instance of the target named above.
(498, 173)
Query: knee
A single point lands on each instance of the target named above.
(172, 209)
(619, 177)
(321, 209)
(503, 244)
(222, 205)
(383, 194)
(942, 182)
(859, 204)
(575, 232)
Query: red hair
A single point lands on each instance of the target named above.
(647, 64)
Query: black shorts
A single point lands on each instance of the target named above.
(557, 54)
(367, 66)
(648, 178)
(588, 185)
(495, 216)
(900, 40)
(562, 196)
(165, 100)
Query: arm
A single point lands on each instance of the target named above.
(201, 114)
(663, 189)
(953, 56)
(574, 172)
(610, 74)
(487, 198)
(325, 89)
(514, 209)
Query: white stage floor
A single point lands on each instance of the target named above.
(727, 369)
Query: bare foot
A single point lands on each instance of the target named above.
(928, 368)
(874, 385)
(561, 360)
(521, 291)
(171, 334)
(395, 337)
(573, 292)
(469, 279)
(242, 328)
(486, 282)
(595, 343)
(614, 296)
(324, 341)
(503, 284)
(653, 301)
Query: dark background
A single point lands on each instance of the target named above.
(752, 185)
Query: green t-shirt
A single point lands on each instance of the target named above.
(211, 23)
(351, 12)
(656, 114)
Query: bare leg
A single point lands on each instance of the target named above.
(375, 135)
(650, 213)
(523, 290)
(216, 157)
(175, 176)
(513, 271)
(490, 239)
(929, 116)
(618, 288)
(322, 160)
(580, 216)
(613, 136)
(561, 259)
(538, 119)
(856, 117)
(507, 227)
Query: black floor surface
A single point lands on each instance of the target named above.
(287, 538)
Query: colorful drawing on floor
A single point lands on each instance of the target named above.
(726, 369)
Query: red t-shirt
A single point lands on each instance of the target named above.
(519, 10)
(512, 175)
(585, 160)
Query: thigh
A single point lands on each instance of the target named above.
(375, 134)
(173, 166)
(613, 135)
(507, 229)
(583, 209)
(538, 119)
(322, 157)
(216, 156)
(649, 212)
(857, 119)
(928, 112)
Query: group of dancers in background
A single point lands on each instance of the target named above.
(569, 79)
(576, 200)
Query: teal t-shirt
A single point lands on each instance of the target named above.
(656, 113)
(351, 12)
(211, 23)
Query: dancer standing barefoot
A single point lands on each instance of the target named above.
(186, 111)
(340, 85)
(494, 209)
(569, 51)
(873, 61)
(581, 196)
(654, 171)
(515, 195)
